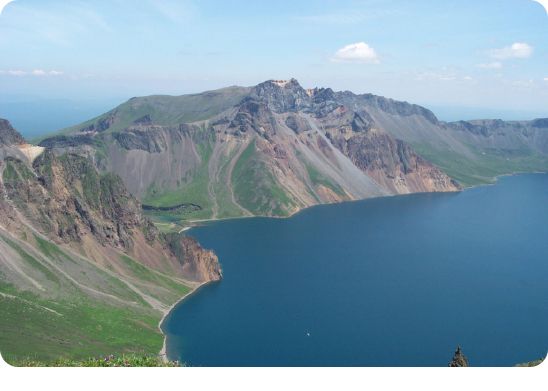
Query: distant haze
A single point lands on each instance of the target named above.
(34, 117)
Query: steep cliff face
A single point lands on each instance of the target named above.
(394, 164)
(275, 148)
(64, 198)
(198, 264)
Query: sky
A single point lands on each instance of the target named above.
(462, 58)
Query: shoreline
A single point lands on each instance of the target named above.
(195, 223)
(163, 352)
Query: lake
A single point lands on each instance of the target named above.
(396, 281)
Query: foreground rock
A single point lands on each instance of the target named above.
(459, 359)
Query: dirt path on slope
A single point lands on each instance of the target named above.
(5, 295)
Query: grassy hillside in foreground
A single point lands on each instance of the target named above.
(128, 360)
(68, 321)
(75, 328)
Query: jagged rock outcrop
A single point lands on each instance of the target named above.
(143, 138)
(394, 164)
(197, 263)
(459, 359)
(67, 141)
(282, 95)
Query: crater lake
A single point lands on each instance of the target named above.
(395, 281)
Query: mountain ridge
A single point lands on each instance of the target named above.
(312, 146)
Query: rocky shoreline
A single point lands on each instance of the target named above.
(163, 351)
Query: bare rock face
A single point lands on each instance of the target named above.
(67, 200)
(145, 138)
(394, 164)
(282, 95)
(8, 135)
(66, 196)
(198, 264)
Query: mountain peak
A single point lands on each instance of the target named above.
(282, 95)
(291, 83)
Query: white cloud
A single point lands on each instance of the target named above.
(357, 52)
(546, 79)
(491, 65)
(3, 4)
(544, 3)
(35, 72)
(516, 50)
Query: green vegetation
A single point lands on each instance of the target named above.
(15, 171)
(87, 273)
(32, 261)
(72, 324)
(194, 192)
(164, 110)
(72, 328)
(318, 179)
(255, 187)
(145, 274)
(49, 249)
(485, 167)
(126, 360)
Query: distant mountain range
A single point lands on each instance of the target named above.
(276, 148)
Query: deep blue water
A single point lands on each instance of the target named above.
(397, 281)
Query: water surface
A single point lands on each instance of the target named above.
(398, 281)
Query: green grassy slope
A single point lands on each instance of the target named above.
(66, 321)
(166, 109)
(195, 191)
(79, 327)
(485, 167)
(255, 187)
(125, 360)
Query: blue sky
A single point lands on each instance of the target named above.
(487, 56)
